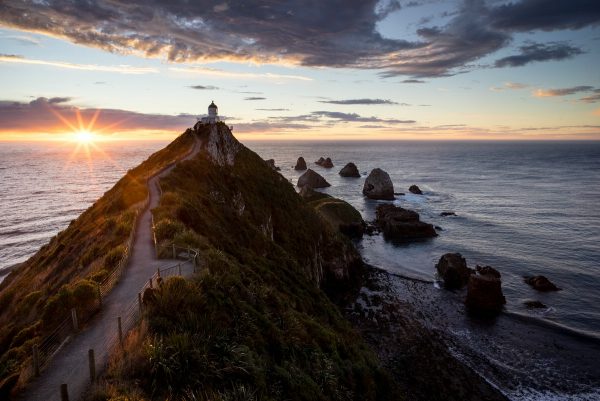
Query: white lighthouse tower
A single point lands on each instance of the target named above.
(213, 114)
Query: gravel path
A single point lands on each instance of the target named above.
(71, 365)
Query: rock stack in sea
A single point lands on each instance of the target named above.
(300, 164)
(312, 179)
(378, 185)
(349, 170)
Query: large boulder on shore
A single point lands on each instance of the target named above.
(300, 164)
(350, 170)
(271, 163)
(402, 224)
(541, 283)
(452, 269)
(312, 179)
(378, 185)
(484, 294)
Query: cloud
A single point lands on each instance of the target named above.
(561, 91)
(272, 109)
(413, 81)
(529, 15)
(121, 69)
(204, 87)
(255, 98)
(54, 116)
(22, 39)
(539, 52)
(239, 75)
(335, 33)
(592, 98)
(596, 112)
(509, 85)
(336, 116)
(360, 101)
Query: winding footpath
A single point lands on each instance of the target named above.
(71, 364)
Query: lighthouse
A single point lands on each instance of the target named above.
(213, 114)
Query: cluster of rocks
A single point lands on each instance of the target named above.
(324, 162)
(484, 285)
(401, 224)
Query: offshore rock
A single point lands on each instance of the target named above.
(541, 283)
(415, 190)
(300, 164)
(452, 268)
(378, 185)
(349, 170)
(401, 224)
(312, 179)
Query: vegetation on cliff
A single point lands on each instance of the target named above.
(255, 323)
(63, 274)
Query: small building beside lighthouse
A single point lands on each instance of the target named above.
(213, 114)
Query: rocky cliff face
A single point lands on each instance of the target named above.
(273, 216)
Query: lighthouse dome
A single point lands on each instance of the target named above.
(212, 105)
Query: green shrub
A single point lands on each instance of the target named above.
(84, 293)
(112, 258)
(167, 229)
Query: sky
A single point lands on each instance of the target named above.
(290, 69)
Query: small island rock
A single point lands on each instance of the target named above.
(487, 270)
(415, 190)
(327, 163)
(300, 164)
(349, 170)
(444, 214)
(398, 223)
(541, 283)
(312, 179)
(453, 270)
(533, 304)
(378, 185)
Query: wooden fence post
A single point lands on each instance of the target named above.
(140, 302)
(64, 392)
(120, 331)
(74, 319)
(150, 282)
(99, 296)
(92, 363)
(174, 252)
(179, 266)
(36, 361)
(158, 272)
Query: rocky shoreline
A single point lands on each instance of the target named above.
(416, 356)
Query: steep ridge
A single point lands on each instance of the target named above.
(256, 322)
(64, 274)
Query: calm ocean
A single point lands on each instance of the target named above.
(525, 208)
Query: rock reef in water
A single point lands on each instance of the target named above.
(484, 292)
(402, 224)
(378, 185)
(541, 283)
(312, 179)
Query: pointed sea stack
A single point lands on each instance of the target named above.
(378, 185)
(312, 179)
(300, 164)
(349, 170)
